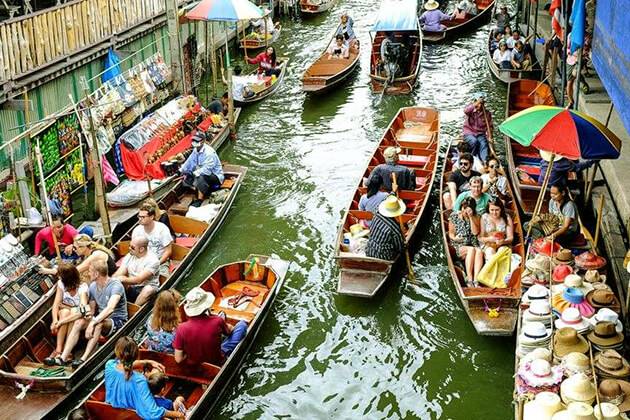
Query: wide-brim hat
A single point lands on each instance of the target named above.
(358, 231)
(567, 340)
(538, 353)
(540, 373)
(574, 363)
(392, 207)
(545, 405)
(540, 263)
(617, 392)
(572, 298)
(534, 333)
(198, 301)
(543, 246)
(605, 334)
(547, 156)
(197, 139)
(607, 411)
(431, 5)
(575, 281)
(589, 261)
(593, 276)
(575, 411)
(571, 318)
(563, 256)
(560, 272)
(536, 292)
(611, 363)
(607, 315)
(539, 310)
(603, 299)
(578, 388)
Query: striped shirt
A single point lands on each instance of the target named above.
(386, 240)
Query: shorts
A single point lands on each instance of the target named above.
(117, 323)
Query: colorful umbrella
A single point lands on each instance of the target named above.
(225, 11)
(562, 131)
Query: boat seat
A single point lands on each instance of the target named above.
(327, 69)
(98, 409)
(413, 160)
(186, 241)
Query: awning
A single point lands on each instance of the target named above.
(397, 15)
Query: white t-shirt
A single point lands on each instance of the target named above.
(159, 238)
(500, 56)
(135, 266)
(511, 42)
(68, 299)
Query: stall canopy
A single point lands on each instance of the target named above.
(397, 15)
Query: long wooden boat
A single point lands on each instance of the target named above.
(477, 301)
(315, 7)
(257, 44)
(400, 17)
(416, 131)
(23, 361)
(510, 75)
(268, 90)
(202, 385)
(326, 73)
(455, 27)
(523, 161)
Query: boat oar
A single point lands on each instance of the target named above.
(412, 276)
(488, 129)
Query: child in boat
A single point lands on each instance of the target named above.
(338, 49)
(157, 383)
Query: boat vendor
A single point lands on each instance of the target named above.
(202, 170)
(560, 169)
(219, 106)
(263, 25)
(158, 235)
(561, 222)
(139, 271)
(267, 63)
(477, 125)
(386, 240)
(64, 234)
(405, 177)
(431, 18)
(338, 49)
(345, 29)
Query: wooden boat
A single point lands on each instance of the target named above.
(400, 17)
(457, 27)
(257, 44)
(315, 7)
(416, 131)
(270, 87)
(326, 73)
(202, 385)
(510, 75)
(25, 357)
(524, 162)
(477, 301)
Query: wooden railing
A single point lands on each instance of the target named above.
(28, 42)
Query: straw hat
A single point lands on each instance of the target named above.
(567, 340)
(607, 411)
(391, 207)
(608, 315)
(593, 276)
(358, 231)
(575, 411)
(547, 156)
(574, 363)
(197, 301)
(571, 318)
(543, 246)
(538, 353)
(560, 272)
(431, 5)
(615, 391)
(611, 364)
(589, 261)
(545, 405)
(575, 281)
(539, 373)
(578, 388)
(391, 152)
(539, 310)
(604, 334)
(563, 256)
(603, 299)
(536, 292)
(572, 298)
(539, 263)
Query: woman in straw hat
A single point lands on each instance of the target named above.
(463, 228)
(431, 18)
(386, 238)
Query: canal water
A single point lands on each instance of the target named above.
(410, 352)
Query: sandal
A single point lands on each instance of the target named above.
(52, 359)
(77, 363)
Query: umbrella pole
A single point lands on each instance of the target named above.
(207, 62)
(589, 188)
(541, 196)
(229, 86)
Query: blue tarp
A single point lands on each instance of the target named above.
(397, 15)
(112, 66)
(611, 55)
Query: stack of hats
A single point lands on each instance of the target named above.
(567, 340)
(533, 335)
(574, 363)
(563, 257)
(536, 292)
(610, 364)
(607, 315)
(544, 246)
(605, 337)
(615, 392)
(571, 318)
(589, 261)
(560, 272)
(538, 376)
(603, 298)
(575, 411)
(575, 281)
(607, 411)
(572, 298)
(537, 270)
(539, 310)
(578, 388)
(543, 407)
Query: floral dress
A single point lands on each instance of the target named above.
(490, 226)
(463, 230)
(159, 340)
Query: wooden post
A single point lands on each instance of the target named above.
(563, 63)
(45, 209)
(230, 104)
(83, 160)
(600, 210)
(576, 84)
(207, 60)
(591, 180)
(213, 60)
(175, 45)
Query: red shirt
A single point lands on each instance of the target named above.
(263, 60)
(46, 235)
(200, 339)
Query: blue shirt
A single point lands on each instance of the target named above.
(165, 403)
(133, 393)
(206, 160)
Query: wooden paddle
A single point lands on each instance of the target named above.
(412, 276)
(488, 129)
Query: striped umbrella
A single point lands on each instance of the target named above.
(225, 11)
(562, 131)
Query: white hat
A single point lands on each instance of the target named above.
(607, 315)
(542, 407)
(540, 373)
(538, 353)
(539, 310)
(540, 263)
(578, 388)
(607, 411)
(547, 156)
(536, 292)
(198, 301)
(534, 333)
(575, 281)
(431, 5)
(575, 411)
(572, 318)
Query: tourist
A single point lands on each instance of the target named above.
(264, 26)
(463, 229)
(160, 215)
(431, 19)
(64, 234)
(88, 251)
(494, 182)
(158, 235)
(162, 323)
(157, 385)
(459, 180)
(198, 340)
(494, 43)
(405, 177)
(219, 106)
(502, 56)
(338, 49)
(561, 222)
(521, 59)
(70, 304)
(507, 32)
(139, 272)
(202, 170)
(481, 198)
(502, 19)
(386, 239)
(373, 197)
(461, 148)
(267, 63)
(127, 388)
(514, 38)
(497, 229)
(345, 29)
(561, 168)
(477, 125)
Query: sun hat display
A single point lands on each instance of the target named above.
(431, 5)
(539, 310)
(538, 376)
(589, 261)
(575, 281)
(197, 301)
(539, 263)
(534, 333)
(543, 246)
(616, 392)
(578, 388)
(593, 276)
(603, 298)
(391, 152)
(605, 335)
(563, 256)
(536, 292)
(574, 363)
(575, 411)
(543, 407)
(572, 318)
(391, 207)
(572, 298)
(560, 272)
(608, 315)
(567, 340)
(607, 411)
(610, 364)
(538, 353)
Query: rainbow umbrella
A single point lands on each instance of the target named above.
(225, 11)
(562, 131)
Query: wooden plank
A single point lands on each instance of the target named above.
(5, 52)
(31, 41)
(69, 28)
(22, 46)
(45, 37)
(86, 23)
(76, 11)
(50, 36)
(2, 61)
(61, 33)
(57, 31)
(11, 56)
(39, 59)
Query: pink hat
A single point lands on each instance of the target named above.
(560, 272)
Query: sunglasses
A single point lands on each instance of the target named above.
(494, 166)
(464, 163)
